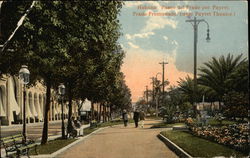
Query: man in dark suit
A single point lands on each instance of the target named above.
(136, 117)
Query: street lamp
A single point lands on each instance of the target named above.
(61, 92)
(195, 22)
(24, 75)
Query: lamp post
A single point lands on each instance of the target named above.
(24, 74)
(157, 98)
(61, 92)
(195, 22)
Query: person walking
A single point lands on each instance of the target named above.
(142, 118)
(125, 118)
(136, 117)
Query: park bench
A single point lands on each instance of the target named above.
(16, 145)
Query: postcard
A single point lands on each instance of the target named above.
(124, 79)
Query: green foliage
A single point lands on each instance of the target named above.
(70, 42)
(185, 107)
(216, 122)
(186, 86)
(215, 73)
(236, 104)
(224, 80)
(167, 125)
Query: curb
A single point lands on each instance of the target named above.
(175, 148)
(66, 147)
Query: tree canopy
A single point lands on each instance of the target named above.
(74, 43)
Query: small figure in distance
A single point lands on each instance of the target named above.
(142, 118)
(136, 117)
(125, 118)
(72, 132)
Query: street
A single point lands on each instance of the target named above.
(34, 131)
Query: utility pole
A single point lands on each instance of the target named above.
(195, 22)
(163, 70)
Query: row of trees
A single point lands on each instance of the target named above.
(70, 42)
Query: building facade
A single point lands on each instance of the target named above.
(12, 100)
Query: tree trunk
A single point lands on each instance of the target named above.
(92, 110)
(110, 113)
(70, 108)
(100, 113)
(104, 113)
(47, 107)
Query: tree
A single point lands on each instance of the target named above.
(72, 42)
(236, 104)
(186, 86)
(215, 73)
(236, 99)
(96, 51)
(38, 44)
(238, 79)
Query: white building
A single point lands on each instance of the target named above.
(11, 102)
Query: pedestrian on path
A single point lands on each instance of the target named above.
(142, 118)
(125, 118)
(136, 117)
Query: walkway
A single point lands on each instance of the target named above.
(121, 142)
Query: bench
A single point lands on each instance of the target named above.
(15, 144)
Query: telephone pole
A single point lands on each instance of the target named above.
(163, 70)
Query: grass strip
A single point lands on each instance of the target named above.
(166, 125)
(214, 122)
(199, 147)
(52, 146)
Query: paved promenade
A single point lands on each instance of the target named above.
(121, 142)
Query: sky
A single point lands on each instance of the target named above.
(156, 31)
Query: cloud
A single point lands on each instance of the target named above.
(175, 42)
(158, 22)
(154, 23)
(139, 35)
(132, 4)
(133, 45)
(165, 38)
